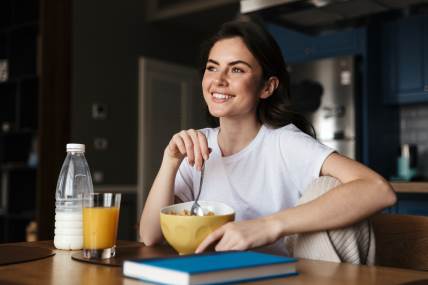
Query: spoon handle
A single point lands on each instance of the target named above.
(201, 181)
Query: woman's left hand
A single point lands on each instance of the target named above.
(242, 235)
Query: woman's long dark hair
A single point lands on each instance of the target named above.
(274, 111)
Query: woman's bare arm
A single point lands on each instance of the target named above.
(161, 195)
(190, 143)
(362, 193)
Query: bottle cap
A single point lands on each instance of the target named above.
(75, 147)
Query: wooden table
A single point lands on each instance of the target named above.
(61, 269)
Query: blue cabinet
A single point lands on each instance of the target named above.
(339, 43)
(413, 207)
(299, 47)
(410, 204)
(295, 46)
(405, 60)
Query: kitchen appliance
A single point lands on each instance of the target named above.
(324, 92)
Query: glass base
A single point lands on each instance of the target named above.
(99, 253)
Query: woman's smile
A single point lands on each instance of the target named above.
(218, 97)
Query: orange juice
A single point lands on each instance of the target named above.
(100, 227)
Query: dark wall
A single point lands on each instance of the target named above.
(108, 38)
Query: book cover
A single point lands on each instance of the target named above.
(210, 268)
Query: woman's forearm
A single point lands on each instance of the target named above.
(340, 207)
(161, 195)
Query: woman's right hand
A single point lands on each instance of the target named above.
(190, 143)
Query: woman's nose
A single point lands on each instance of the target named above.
(220, 79)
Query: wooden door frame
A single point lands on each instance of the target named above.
(54, 70)
(146, 125)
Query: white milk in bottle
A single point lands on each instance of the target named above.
(73, 182)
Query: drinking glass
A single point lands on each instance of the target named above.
(100, 221)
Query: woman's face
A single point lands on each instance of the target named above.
(231, 82)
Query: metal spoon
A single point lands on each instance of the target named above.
(196, 209)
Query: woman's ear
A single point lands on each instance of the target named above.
(270, 86)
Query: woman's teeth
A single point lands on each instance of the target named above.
(221, 96)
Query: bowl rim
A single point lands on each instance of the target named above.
(230, 210)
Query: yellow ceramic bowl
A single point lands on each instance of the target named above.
(185, 233)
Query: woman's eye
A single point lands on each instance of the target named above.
(237, 70)
(211, 68)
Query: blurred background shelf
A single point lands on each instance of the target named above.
(19, 94)
(17, 201)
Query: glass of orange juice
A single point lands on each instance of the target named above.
(100, 221)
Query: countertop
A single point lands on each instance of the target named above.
(410, 187)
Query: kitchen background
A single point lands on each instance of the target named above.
(101, 73)
(414, 130)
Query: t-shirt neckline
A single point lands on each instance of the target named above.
(243, 151)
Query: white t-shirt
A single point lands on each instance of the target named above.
(267, 176)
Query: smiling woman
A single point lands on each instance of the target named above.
(232, 81)
(258, 53)
(260, 157)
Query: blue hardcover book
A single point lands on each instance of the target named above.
(210, 268)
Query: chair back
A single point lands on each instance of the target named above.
(401, 241)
